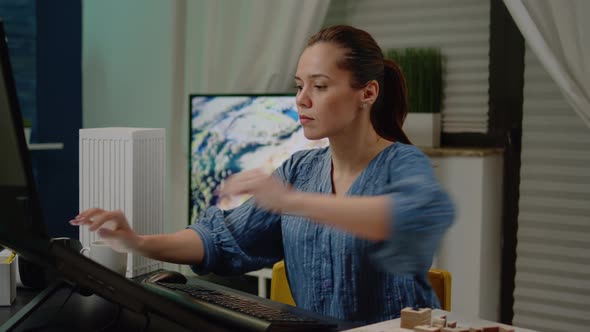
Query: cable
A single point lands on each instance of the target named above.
(50, 322)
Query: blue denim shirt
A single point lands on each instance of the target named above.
(330, 271)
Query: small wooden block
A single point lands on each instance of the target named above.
(411, 318)
(452, 324)
(439, 322)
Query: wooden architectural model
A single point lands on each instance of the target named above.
(421, 320)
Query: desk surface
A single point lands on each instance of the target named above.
(393, 325)
(23, 297)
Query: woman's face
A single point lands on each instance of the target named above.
(328, 106)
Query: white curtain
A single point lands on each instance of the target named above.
(232, 46)
(247, 46)
(558, 32)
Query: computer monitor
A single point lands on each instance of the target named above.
(21, 225)
(22, 228)
(232, 133)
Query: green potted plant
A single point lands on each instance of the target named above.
(27, 124)
(422, 68)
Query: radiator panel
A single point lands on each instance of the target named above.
(124, 168)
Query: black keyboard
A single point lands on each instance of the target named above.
(240, 304)
(243, 312)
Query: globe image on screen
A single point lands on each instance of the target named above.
(230, 134)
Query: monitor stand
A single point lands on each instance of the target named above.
(61, 307)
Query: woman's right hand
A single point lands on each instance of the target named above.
(112, 226)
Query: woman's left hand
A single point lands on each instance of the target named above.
(269, 192)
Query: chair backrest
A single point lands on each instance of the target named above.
(279, 285)
(280, 291)
(440, 280)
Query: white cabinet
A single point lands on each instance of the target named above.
(471, 250)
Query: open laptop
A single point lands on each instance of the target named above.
(22, 229)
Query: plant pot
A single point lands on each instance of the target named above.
(423, 129)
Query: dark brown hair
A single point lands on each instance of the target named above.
(364, 59)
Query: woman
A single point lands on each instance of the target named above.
(357, 222)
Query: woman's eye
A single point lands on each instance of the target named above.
(298, 87)
(320, 87)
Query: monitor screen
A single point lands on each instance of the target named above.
(20, 207)
(232, 133)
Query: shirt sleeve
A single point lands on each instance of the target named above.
(240, 240)
(236, 241)
(421, 212)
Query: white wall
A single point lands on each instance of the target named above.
(132, 72)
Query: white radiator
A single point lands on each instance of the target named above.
(124, 168)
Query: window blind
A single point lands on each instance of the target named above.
(552, 284)
(460, 28)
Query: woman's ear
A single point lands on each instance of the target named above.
(370, 93)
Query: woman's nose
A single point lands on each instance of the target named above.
(303, 99)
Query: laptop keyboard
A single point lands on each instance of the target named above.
(239, 304)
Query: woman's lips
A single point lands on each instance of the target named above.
(304, 119)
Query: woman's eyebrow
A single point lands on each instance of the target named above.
(313, 76)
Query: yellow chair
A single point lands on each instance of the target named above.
(440, 280)
(279, 285)
(280, 292)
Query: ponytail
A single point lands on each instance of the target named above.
(391, 107)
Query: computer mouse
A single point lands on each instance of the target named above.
(171, 277)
